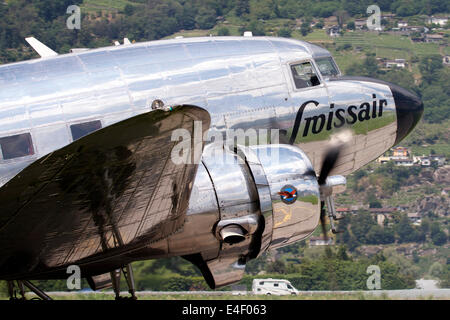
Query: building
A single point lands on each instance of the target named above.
(402, 24)
(385, 211)
(383, 159)
(397, 63)
(403, 207)
(425, 161)
(410, 29)
(343, 211)
(334, 31)
(434, 38)
(440, 159)
(422, 160)
(360, 24)
(380, 219)
(442, 21)
(446, 60)
(320, 241)
(403, 162)
(388, 16)
(415, 218)
(400, 152)
(382, 214)
(330, 21)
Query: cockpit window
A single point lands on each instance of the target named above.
(304, 75)
(327, 67)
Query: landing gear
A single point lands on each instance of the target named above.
(332, 214)
(20, 284)
(332, 184)
(129, 277)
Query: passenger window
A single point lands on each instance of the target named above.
(79, 130)
(304, 75)
(16, 146)
(275, 284)
(289, 287)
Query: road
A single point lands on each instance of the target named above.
(395, 294)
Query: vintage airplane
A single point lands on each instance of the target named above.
(87, 138)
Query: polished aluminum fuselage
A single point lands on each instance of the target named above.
(244, 83)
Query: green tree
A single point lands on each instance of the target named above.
(277, 266)
(256, 28)
(341, 254)
(436, 269)
(206, 18)
(369, 68)
(128, 10)
(223, 31)
(440, 238)
(305, 28)
(405, 230)
(242, 7)
(285, 33)
(351, 25)
(429, 66)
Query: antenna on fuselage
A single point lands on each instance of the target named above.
(40, 48)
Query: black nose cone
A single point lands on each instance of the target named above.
(409, 109)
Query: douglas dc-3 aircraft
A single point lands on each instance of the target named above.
(87, 170)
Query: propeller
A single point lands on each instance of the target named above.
(328, 164)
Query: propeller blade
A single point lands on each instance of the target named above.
(328, 164)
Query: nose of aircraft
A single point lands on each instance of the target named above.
(409, 110)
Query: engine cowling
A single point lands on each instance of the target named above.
(244, 202)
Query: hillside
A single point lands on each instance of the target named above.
(405, 249)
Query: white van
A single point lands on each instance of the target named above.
(273, 286)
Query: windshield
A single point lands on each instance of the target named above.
(327, 67)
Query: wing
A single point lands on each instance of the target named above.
(104, 194)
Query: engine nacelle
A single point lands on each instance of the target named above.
(243, 202)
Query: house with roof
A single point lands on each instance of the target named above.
(396, 63)
(415, 218)
(360, 24)
(440, 159)
(382, 214)
(383, 160)
(446, 60)
(424, 161)
(320, 241)
(434, 38)
(440, 20)
(400, 152)
(388, 15)
(403, 207)
(403, 162)
(343, 211)
(334, 31)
